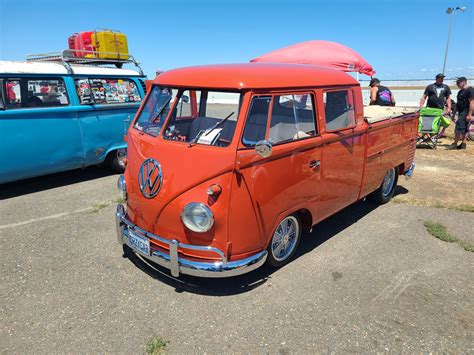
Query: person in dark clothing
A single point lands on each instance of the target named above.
(438, 94)
(465, 110)
(380, 95)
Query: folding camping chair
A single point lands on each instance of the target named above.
(428, 127)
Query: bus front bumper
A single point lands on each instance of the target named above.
(127, 232)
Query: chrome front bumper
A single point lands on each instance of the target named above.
(178, 265)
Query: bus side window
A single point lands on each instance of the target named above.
(46, 93)
(83, 90)
(12, 93)
(2, 101)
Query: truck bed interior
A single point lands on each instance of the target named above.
(374, 113)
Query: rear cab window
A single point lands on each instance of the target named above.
(107, 91)
(292, 118)
(339, 109)
(35, 93)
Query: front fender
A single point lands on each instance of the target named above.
(169, 223)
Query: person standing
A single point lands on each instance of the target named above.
(380, 95)
(438, 95)
(465, 110)
(11, 96)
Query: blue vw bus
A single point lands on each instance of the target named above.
(56, 116)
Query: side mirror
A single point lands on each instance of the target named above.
(185, 99)
(263, 148)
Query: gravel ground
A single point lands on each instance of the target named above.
(444, 178)
(369, 279)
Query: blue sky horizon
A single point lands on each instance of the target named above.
(402, 39)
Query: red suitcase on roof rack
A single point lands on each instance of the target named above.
(80, 42)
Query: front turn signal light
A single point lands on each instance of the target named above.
(214, 190)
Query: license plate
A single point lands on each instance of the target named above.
(139, 243)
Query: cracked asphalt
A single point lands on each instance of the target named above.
(369, 279)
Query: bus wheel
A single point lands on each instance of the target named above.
(284, 241)
(116, 160)
(387, 189)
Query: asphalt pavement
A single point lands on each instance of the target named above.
(369, 279)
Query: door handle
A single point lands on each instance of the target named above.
(313, 164)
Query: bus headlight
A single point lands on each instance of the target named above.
(197, 217)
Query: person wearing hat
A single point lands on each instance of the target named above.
(465, 110)
(380, 95)
(438, 94)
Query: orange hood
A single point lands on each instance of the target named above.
(186, 174)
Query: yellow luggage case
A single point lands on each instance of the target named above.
(110, 44)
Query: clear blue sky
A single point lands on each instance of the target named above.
(402, 39)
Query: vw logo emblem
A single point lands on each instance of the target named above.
(150, 178)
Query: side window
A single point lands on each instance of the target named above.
(12, 93)
(256, 124)
(46, 93)
(2, 100)
(98, 89)
(292, 118)
(107, 91)
(83, 90)
(339, 110)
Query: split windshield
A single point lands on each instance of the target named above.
(155, 110)
(200, 116)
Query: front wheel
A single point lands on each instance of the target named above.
(116, 160)
(284, 241)
(387, 189)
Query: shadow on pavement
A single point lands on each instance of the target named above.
(322, 232)
(46, 182)
(400, 191)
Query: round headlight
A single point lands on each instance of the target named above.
(197, 217)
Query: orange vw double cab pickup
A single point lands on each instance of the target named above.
(229, 164)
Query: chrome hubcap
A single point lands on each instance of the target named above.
(388, 182)
(285, 238)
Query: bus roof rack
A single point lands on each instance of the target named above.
(66, 57)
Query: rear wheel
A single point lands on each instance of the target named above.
(387, 189)
(285, 241)
(116, 160)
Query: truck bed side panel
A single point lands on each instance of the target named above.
(390, 144)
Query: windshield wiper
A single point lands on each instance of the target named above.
(194, 140)
(218, 124)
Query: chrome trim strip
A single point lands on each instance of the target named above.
(178, 265)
